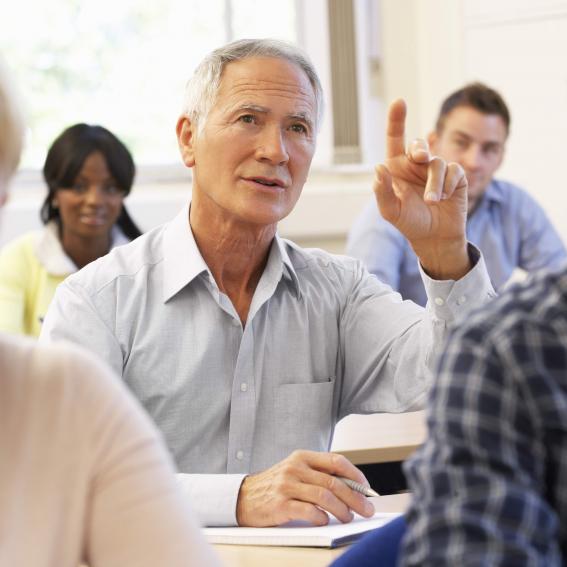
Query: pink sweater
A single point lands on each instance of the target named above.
(83, 473)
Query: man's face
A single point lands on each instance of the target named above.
(475, 141)
(252, 157)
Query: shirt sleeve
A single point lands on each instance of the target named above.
(13, 277)
(73, 317)
(389, 346)
(213, 496)
(478, 481)
(378, 245)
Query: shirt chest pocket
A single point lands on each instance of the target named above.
(304, 416)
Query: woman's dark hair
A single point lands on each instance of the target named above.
(66, 157)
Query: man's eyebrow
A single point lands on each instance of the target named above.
(252, 107)
(493, 143)
(462, 134)
(301, 116)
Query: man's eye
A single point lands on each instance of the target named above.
(247, 119)
(79, 187)
(299, 128)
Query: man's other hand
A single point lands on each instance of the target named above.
(302, 487)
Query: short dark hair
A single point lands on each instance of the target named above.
(478, 96)
(66, 157)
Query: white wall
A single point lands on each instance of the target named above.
(423, 56)
(518, 46)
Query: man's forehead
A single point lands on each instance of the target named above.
(255, 78)
(468, 121)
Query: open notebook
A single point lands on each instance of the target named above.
(299, 534)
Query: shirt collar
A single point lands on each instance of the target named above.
(50, 253)
(288, 271)
(493, 192)
(183, 261)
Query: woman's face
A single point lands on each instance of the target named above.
(91, 207)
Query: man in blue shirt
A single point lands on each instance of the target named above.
(508, 226)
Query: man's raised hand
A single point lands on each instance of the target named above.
(425, 199)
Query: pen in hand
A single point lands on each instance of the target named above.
(357, 487)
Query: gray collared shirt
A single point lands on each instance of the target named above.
(323, 339)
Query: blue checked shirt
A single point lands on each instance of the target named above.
(490, 483)
(510, 228)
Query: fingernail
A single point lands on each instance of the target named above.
(431, 196)
(368, 508)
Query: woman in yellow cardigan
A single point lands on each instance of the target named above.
(88, 172)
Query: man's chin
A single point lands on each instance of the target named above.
(477, 190)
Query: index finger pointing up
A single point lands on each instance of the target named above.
(395, 129)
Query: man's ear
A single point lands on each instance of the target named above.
(185, 130)
(432, 138)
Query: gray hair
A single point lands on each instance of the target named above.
(11, 128)
(202, 88)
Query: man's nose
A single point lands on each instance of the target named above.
(472, 158)
(272, 146)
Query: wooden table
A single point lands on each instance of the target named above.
(379, 438)
(262, 556)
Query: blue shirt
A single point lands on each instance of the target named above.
(510, 228)
(490, 483)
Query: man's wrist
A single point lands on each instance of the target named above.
(444, 260)
(240, 501)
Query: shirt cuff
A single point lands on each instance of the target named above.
(213, 496)
(446, 298)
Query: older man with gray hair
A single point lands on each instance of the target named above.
(245, 348)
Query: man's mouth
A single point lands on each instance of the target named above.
(267, 181)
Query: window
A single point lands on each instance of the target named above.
(122, 63)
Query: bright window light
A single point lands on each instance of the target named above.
(122, 63)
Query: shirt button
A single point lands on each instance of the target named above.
(439, 301)
(239, 455)
(462, 299)
(243, 387)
